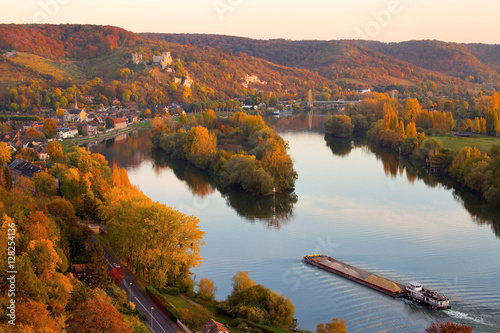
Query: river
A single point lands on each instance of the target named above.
(372, 210)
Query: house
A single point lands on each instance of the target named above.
(78, 270)
(45, 109)
(364, 91)
(22, 170)
(211, 326)
(120, 123)
(29, 143)
(41, 152)
(65, 132)
(133, 118)
(91, 128)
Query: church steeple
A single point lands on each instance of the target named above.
(76, 103)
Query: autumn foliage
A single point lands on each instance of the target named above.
(68, 40)
(241, 151)
(96, 315)
(449, 327)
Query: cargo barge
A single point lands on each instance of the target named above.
(413, 292)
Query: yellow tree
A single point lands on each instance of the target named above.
(206, 289)
(241, 281)
(335, 326)
(157, 241)
(411, 110)
(411, 130)
(5, 153)
(401, 130)
(44, 257)
(55, 151)
(200, 146)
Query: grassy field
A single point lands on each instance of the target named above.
(483, 143)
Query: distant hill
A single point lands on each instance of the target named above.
(453, 59)
(64, 41)
(488, 54)
(38, 58)
(363, 62)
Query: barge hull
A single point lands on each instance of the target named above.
(326, 263)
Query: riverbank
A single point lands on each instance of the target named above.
(456, 143)
(469, 166)
(67, 143)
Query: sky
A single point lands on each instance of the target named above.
(383, 20)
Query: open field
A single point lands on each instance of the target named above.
(483, 143)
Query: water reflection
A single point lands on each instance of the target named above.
(396, 166)
(339, 147)
(126, 150)
(275, 211)
(298, 123)
(480, 212)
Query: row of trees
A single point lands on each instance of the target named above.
(240, 150)
(398, 130)
(214, 105)
(48, 239)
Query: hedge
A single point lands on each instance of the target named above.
(169, 291)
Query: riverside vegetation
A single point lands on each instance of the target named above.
(403, 128)
(50, 239)
(239, 150)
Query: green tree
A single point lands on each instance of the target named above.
(96, 270)
(44, 183)
(110, 122)
(491, 123)
(7, 178)
(339, 126)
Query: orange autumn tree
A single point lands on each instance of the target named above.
(96, 315)
(33, 316)
(449, 327)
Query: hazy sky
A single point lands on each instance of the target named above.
(383, 20)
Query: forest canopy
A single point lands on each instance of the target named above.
(240, 150)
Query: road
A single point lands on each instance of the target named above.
(160, 323)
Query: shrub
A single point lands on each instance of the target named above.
(169, 291)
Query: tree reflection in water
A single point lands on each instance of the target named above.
(275, 211)
(394, 165)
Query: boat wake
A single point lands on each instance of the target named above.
(465, 316)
